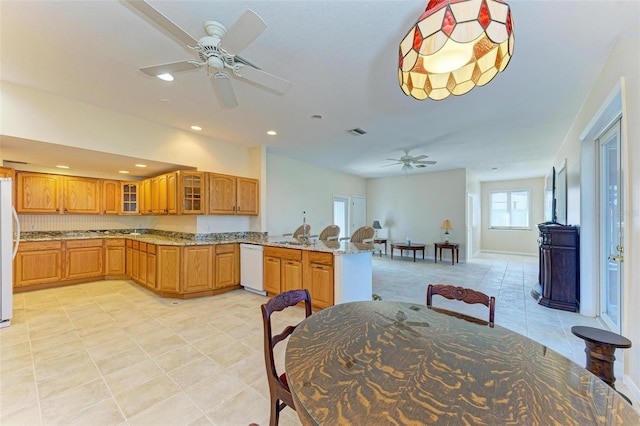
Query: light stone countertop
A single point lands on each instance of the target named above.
(335, 247)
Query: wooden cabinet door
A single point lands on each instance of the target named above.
(197, 268)
(291, 275)
(151, 266)
(37, 263)
(111, 196)
(168, 268)
(247, 197)
(81, 195)
(159, 192)
(272, 274)
(222, 194)
(130, 198)
(192, 197)
(128, 264)
(145, 197)
(38, 193)
(321, 286)
(171, 205)
(84, 259)
(135, 261)
(227, 270)
(114, 255)
(142, 264)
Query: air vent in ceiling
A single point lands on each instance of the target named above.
(357, 131)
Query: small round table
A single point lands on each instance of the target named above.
(600, 347)
(454, 247)
(411, 246)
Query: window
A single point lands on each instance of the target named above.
(509, 209)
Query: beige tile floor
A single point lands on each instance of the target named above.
(112, 353)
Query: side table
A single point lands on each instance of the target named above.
(600, 347)
(446, 245)
(381, 241)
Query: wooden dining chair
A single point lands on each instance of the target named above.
(278, 385)
(466, 295)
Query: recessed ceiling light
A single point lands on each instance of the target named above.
(141, 165)
(316, 117)
(124, 172)
(62, 166)
(165, 77)
(165, 101)
(272, 132)
(494, 169)
(196, 128)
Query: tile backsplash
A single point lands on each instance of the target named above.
(49, 222)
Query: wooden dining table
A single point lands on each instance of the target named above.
(382, 362)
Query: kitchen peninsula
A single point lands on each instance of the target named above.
(182, 266)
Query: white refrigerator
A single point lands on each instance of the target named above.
(9, 240)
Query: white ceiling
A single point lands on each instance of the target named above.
(341, 58)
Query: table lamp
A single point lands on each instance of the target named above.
(376, 226)
(446, 226)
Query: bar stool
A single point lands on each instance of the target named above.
(600, 348)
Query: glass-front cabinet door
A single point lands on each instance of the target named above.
(192, 192)
(130, 198)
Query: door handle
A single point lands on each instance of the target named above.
(616, 258)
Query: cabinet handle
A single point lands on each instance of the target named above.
(66, 209)
(233, 208)
(238, 208)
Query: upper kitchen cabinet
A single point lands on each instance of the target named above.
(232, 195)
(192, 193)
(38, 193)
(145, 197)
(130, 201)
(163, 194)
(81, 195)
(44, 193)
(111, 196)
(6, 172)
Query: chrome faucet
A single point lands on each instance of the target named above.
(305, 235)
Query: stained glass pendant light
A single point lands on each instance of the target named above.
(455, 46)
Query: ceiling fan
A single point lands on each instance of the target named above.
(409, 162)
(217, 52)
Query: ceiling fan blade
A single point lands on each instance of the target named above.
(164, 22)
(169, 68)
(392, 164)
(425, 162)
(222, 85)
(243, 32)
(419, 157)
(394, 159)
(265, 79)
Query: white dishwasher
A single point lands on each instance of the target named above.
(251, 261)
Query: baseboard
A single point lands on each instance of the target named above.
(509, 252)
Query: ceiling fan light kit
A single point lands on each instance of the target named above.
(217, 51)
(408, 161)
(454, 46)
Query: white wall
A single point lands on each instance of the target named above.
(474, 214)
(414, 206)
(624, 61)
(513, 240)
(294, 187)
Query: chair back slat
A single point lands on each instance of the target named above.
(466, 295)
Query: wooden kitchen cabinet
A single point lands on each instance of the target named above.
(128, 264)
(290, 274)
(168, 269)
(271, 274)
(151, 266)
(37, 263)
(145, 197)
(192, 193)
(233, 195)
(318, 278)
(164, 194)
(227, 265)
(38, 193)
(84, 258)
(130, 198)
(197, 268)
(6, 172)
(81, 195)
(115, 257)
(111, 196)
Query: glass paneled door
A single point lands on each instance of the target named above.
(611, 227)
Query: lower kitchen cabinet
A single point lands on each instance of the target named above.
(168, 269)
(227, 265)
(319, 278)
(289, 273)
(84, 259)
(151, 266)
(114, 257)
(197, 269)
(37, 263)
